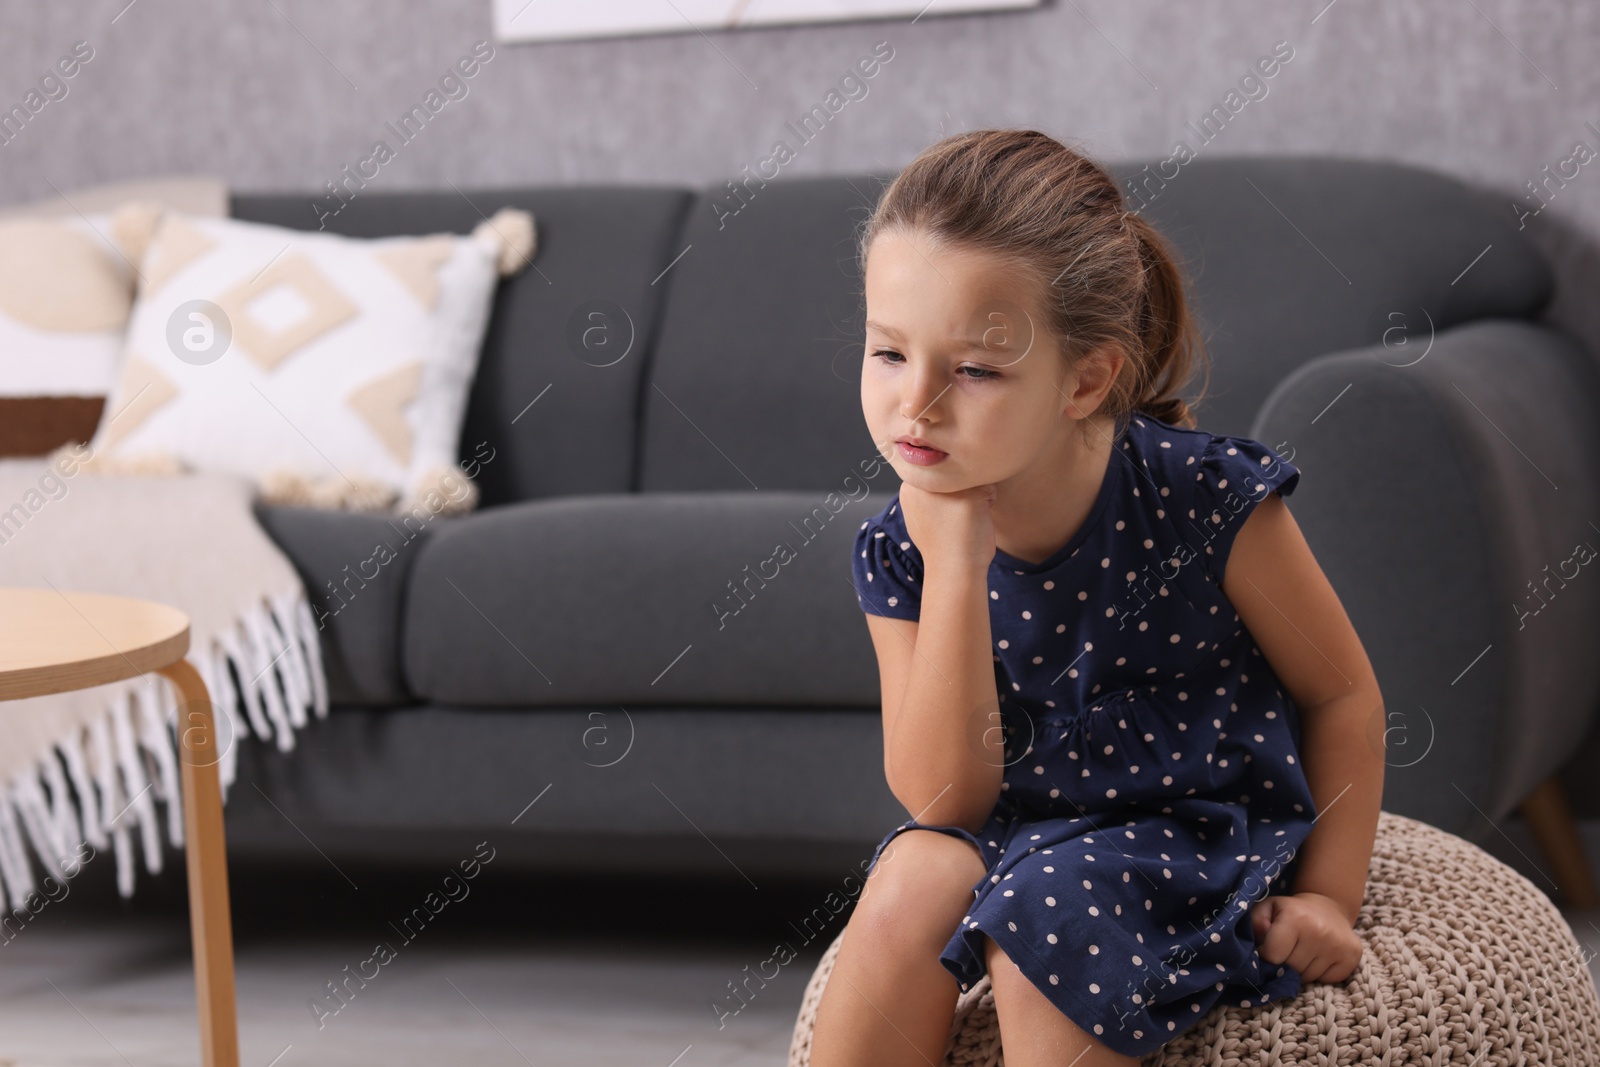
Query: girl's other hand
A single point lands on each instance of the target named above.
(1309, 931)
(954, 528)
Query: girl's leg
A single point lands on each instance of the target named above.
(889, 1002)
(1033, 1031)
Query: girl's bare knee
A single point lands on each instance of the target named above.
(919, 888)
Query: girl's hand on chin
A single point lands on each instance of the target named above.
(951, 529)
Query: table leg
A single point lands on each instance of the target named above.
(205, 848)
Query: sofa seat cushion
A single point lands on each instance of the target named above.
(708, 598)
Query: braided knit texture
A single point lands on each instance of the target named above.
(1465, 962)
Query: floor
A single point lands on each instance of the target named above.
(509, 973)
(517, 971)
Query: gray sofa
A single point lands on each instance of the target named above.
(611, 665)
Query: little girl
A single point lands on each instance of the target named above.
(1104, 645)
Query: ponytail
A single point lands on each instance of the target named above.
(1169, 334)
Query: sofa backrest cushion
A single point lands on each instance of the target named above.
(553, 407)
(755, 381)
(1292, 257)
(749, 375)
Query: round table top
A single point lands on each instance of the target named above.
(52, 641)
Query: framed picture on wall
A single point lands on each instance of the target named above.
(548, 20)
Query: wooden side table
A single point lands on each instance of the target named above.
(52, 642)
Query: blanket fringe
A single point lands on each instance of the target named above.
(100, 785)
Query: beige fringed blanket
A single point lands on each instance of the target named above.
(189, 540)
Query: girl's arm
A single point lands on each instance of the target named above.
(1297, 621)
(942, 746)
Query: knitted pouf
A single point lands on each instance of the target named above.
(1465, 961)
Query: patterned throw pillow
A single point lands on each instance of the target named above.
(66, 287)
(331, 370)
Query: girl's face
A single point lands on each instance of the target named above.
(957, 356)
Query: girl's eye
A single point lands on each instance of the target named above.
(980, 374)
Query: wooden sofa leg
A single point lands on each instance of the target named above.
(1553, 828)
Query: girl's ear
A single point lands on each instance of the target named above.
(1090, 380)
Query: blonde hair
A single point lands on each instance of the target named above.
(1105, 275)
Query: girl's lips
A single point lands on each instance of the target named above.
(924, 457)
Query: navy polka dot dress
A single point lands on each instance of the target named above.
(1153, 790)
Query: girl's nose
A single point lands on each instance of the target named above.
(922, 395)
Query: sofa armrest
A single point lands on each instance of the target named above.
(1445, 480)
(355, 567)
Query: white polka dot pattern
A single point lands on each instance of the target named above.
(1151, 791)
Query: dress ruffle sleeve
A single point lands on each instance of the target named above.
(1236, 474)
(887, 568)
